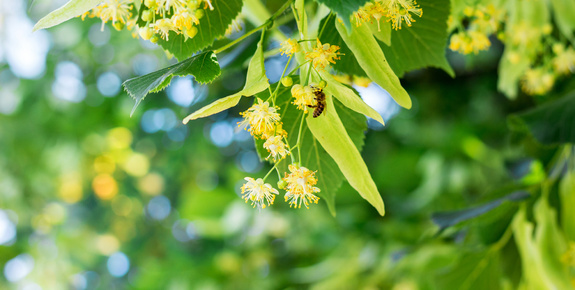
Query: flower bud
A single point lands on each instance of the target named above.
(200, 13)
(282, 184)
(322, 84)
(118, 25)
(147, 15)
(287, 81)
(154, 39)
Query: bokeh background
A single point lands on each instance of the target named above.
(91, 198)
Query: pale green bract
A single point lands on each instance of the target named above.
(256, 81)
(70, 10)
(349, 98)
(331, 134)
(372, 60)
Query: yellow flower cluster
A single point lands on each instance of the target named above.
(537, 81)
(483, 21)
(396, 11)
(467, 42)
(161, 16)
(263, 120)
(323, 54)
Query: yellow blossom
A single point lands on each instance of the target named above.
(303, 96)
(276, 147)
(361, 81)
(235, 26)
(163, 28)
(401, 10)
(300, 186)
(258, 192)
(289, 47)
(467, 42)
(262, 118)
(323, 54)
(537, 81)
(564, 60)
(112, 10)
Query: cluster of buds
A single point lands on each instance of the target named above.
(394, 11)
(159, 17)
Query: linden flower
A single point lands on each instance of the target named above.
(276, 147)
(163, 28)
(258, 192)
(537, 81)
(289, 47)
(303, 96)
(261, 117)
(113, 10)
(401, 10)
(300, 186)
(323, 55)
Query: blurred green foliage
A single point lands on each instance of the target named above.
(99, 200)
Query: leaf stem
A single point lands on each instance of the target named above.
(265, 25)
(271, 170)
(299, 137)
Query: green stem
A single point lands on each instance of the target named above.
(266, 24)
(299, 137)
(295, 69)
(324, 25)
(271, 170)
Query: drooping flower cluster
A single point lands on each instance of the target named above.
(157, 19)
(537, 81)
(323, 54)
(483, 21)
(395, 11)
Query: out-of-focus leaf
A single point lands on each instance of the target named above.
(510, 73)
(329, 130)
(349, 98)
(423, 44)
(563, 12)
(204, 67)
(373, 61)
(344, 9)
(447, 219)
(567, 194)
(256, 81)
(551, 123)
(70, 10)
(212, 25)
(474, 270)
(314, 157)
(347, 63)
(541, 253)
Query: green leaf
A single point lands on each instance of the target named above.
(551, 123)
(256, 81)
(349, 98)
(313, 156)
(448, 219)
(344, 9)
(212, 25)
(473, 270)
(563, 15)
(369, 55)
(204, 67)
(347, 64)
(330, 132)
(423, 44)
(70, 10)
(567, 194)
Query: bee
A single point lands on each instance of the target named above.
(320, 101)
